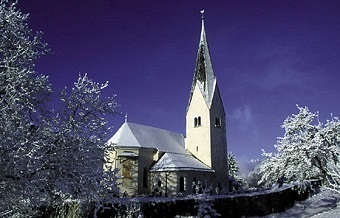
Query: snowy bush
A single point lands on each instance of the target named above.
(134, 209)
(204, 207)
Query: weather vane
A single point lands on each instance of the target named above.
(202, 12)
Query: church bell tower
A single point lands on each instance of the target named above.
(205, 116)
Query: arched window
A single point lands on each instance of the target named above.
(197, 121)
(181, 184)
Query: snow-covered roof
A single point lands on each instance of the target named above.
(140, 136)
(176, 158)
(179, 162)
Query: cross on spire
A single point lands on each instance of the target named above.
(202, 12)
(126, 118)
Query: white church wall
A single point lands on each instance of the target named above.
(198, 137)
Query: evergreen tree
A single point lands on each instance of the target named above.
(233, 169)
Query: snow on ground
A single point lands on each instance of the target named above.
(321, 205)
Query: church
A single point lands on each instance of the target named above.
(157, 161)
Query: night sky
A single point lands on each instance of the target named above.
(267, 56)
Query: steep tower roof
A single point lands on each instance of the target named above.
(204, 75)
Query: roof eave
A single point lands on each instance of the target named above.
(177, 169)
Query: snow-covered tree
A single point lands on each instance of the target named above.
(23, 95)
(307, 149)
(73, 163)
(233, 168)
(253, 177)
(235, 181)
(328, 159)
(47, 157)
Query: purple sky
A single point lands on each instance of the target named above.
(267, 56)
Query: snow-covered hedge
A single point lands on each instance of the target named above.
(250, 204)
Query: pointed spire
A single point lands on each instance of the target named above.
(204, 75)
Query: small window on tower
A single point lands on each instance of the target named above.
(218, 122)
(197, 121)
